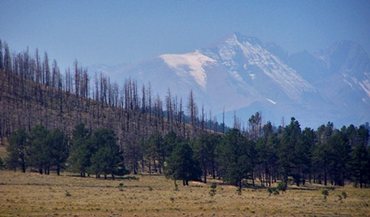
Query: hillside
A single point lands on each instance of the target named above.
(34, 93)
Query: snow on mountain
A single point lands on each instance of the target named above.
(238, 49)
(365, 85)
(245, 75)
(190, 62)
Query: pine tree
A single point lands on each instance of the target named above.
(236, 155)
(18, 150)
(181, 164)
(81, 150)
(39, 150)
(107, 159)
(59, 150)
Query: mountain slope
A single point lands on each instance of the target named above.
(245, 75)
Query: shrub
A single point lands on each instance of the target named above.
(1, 164)
(213, 189)
(67, 194)
(325, 192)
(282, 186)
(121, 186)
(239, 191)
(273, 191)
(344, 194)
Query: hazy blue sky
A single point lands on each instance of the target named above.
(113, 32)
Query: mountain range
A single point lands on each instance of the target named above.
(243, 75)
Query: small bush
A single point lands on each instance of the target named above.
(1, 164)
(121, 186)
(213, 189)
(150, 188)
(344, 195)
(273, 191)
(325, 193)
(239, 191)
(67, 194)
(282, 186)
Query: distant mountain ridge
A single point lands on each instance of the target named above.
(242, 74)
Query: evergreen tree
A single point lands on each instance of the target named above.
(309, 141)
(266, 152)
(59, 150)
(181, 164)
(81, 150)
(107, 159)
(339, 155)
(39, 150)
(205, 148)
(18, 150)
(289, 151)
(360, 158)
(236, 155)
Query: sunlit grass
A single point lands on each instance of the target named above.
(31, 194)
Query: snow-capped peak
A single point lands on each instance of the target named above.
(238, 52)
(192, 63)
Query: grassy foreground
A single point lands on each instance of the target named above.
(31, 194)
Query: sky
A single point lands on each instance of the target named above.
(127, 32)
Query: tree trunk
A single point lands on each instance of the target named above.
(23, 166)
(58, 169)
(205, 175)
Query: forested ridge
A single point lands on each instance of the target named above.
(92, 126)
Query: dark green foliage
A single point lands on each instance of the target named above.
(360, 163)
(48, 149)
(81, 150)
(121, 186)
(18, 150)
(289, 152)
(156, 151)
(212, 189)
(107, 158)
(181, 164)
(281, 186)
(1, 164)
(39, 150)
(57, 144)
(274, 191)
(236, 155)
(267, 153)
(325, 193)
(205, 152)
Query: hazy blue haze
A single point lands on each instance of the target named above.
(113, 32)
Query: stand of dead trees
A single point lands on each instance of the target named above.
(35, 92)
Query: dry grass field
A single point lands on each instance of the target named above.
(31, 194)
